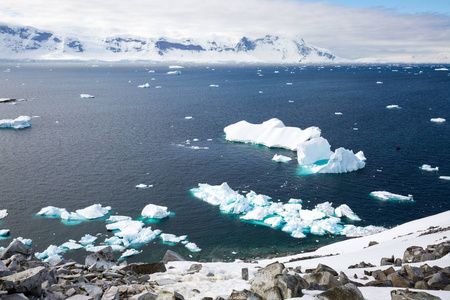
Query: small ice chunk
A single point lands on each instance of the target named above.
(171, 238)
(113, 219)
(4, 232)
(52, 211)
(3, 213)
(288, 83)
(129, 252)
(94, 211)
(441, 69)
(435, 120)
(25, 241)
(188, 117)
(144, 186)
(71, 245)
(298, 234)
(125, 227)
(387, 196)
(214, 85)
(87, 239)
(143, 236)
(174, 73)
(192, 247)
(313, 150)
(444, 177)
(338, 113)
(379, 82)
(144, 86)
(345, 211)
(426, 167)
(281, 158)
(17, 123)
(393, 106)
(51, 253)
(114, 240)
(86, 96)
(155, 211)
(176, 67)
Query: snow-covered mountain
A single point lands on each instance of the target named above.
(31, 43)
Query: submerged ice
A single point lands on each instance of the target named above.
(290, 217)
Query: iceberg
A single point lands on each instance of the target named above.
(441, 69)
(155, 211)
(387, 196)
(114, 240)
(71, 216)
(125, 227)
(274, 222)
(144, 186)
(379, 82)
(129, 252)
(17, 123)
(426, 167)
(444, 177)
(341, 161)
(281, 158)
(94, 211)
(71, 245)
(176, 67)
(172, 238)
(142, 236)
(113, 219)
(272, 133)
(87, 239)
(345, 211)
(214, 85)
(393, 106)
(4, 232)
(51, 253)
(3, 213)
(174, 73)
(435, 120)
(313, 150)
(85, 96)
(52, 211)
(192, 247)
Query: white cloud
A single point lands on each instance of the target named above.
(348, 32)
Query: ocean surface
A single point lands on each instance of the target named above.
(81, 152)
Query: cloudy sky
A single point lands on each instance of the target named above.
(349, 28)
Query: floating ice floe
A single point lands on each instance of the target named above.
(144, 186)
(94, 211)
(379, 82)
(4, 232)
(87, 239)
(144, 86)
(214, 85)
(155, 211)
(387, 196)
(441, 69)
(338, 113)
(129, 252)
(52, 211)
(176, 67)
(426, 167)
(3, 213)
(288, 83)
(392, 106)
(188, 117)
(174, 73)
(444, 177)
(17, 123)
(281, 158)
(86, 96)
(192, 247)
(290, 217)
(114, 240)
(271, 133)
(71, 245)
(437, 120)
(172, 238)
(51, 253)
(113, 219)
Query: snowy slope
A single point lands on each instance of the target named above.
(31, 43)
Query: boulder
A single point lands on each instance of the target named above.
(290, 286)
(144, 296)
(347, 292)
(265, 278)
(421, 285)
(325, 279)
(413, 254)
(25, 281)
(379, 283)
(172, 256)
(15, 247)
(438, 281)
(244, 295)
(379, 275)
(385, 261)
(400, 281)
(412, 273)
(101, 260)
(145, 268)
(244, 273)
(323, 268)
(410, 295)
(195, 268)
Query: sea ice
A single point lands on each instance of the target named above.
(4, 232)
(114, 240)
(192, 247)
(94, 211)
(393, 106)
(17, 123)
(271, 133)
(435, 120)
(342, 161)
(144, 86)
(86, 96)
(345, 211)
(143, 236)
(338, 113)
(379, 82)
(258, 214)
(72, 216)
(125, 227)
(281, 158)
(51, 253)
(176, 67)
(426, 167)
(155, 211)
(3, 213)
(113, 219)
(172, 238)
(25, 241)
(387, 196)
(444, 177)
(214, 85)
(71, 245)
(144, 186)
(441, 69)
(313, 150)
(274, 222)
(129, 252)
(188, 117)
(174, 73)
(52, 211)
(87, 239)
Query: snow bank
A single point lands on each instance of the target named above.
(155, 211)
(281, 158)
(426, 167)
(387, 196)
(17, 123)
(437, 120)
(271, 133)
(290, 217)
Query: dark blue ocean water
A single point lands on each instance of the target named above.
(86, 151)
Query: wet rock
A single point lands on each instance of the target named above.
(172, 256)
(410, 295)
(348, 292)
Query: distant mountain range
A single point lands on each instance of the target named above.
(31, 43)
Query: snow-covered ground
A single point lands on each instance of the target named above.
(219, 279)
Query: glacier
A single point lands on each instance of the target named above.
(17, 123)
(388, 196)
(290, 217)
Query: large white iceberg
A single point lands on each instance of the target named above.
(94, 211)
(387, 196)
(342, 161)
(17, 123)
(52, 211)
(155, 211)
(313, 150)
(271, 133)
(291, 217)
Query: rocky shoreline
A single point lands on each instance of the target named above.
(23, 276)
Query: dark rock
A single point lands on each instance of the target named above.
(195, 268)
(389, 271)
(428, 256)
(145, 268)
(361, 265)
(290, 286)
(421, 285)
(19, 296)
(298, 269)
(144, 296)
(101, 260)
(367, 273)
(379, 283)
(323, 268)
(15, 247)
(372, 243)
(410, 295)
(443, 249)
(317, 287)
(172, 256)
(398, 262)
(413, 273)
(25, 281)
(244, 273)
(379, 275)
(385, 261)
(412, 254)
(348, 292)
(343, 278)
(244, 295)
(325, 279)
(400, 281)
(177, 296)
(438, 281)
